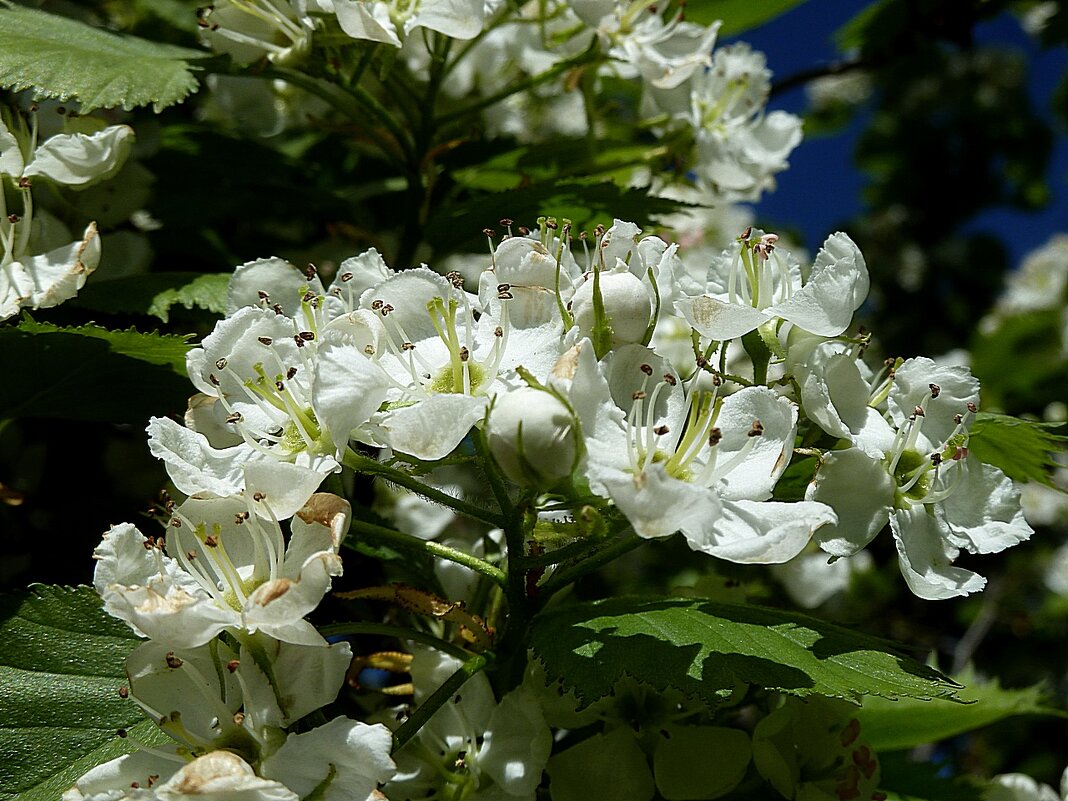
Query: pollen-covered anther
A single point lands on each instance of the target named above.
(292, 371)
(277, 309)
(279, 386)
(972, 407)
(465, 354)
(936, 459)
(661, 430)
(670, 380)
(498, 332)
(504, 296)
(346, 277)
(638, 395)
(173, 661)
(13, 218)
(214, 381)
(258, 496)
(714, 437)
(455, 278)
(264, 341)
(756, 430)
(234, 417)
(369, 350)
(489, 232)
(935, 390)
(647, 369)
(175, 523)
(124, 692)
(919, 412)
(191, 554)
(376, 305)
(745, 234)
(211, 541)
(233, 664)
(506, 221)
(24, 183)
(958, 418)
(386, 309)
(408, 346)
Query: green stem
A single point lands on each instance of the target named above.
(397, 632)
(760, 354)
(406, 542)
(568, 575)
(437, 699)
(370, 467)
(555, 557)
(356, 103)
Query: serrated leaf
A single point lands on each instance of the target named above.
(90, 373)
(906, 723)
(737, 15)
(66, 59)
(155, 293)
(61, 664)
(204, 292)
(705, 650)
(1023, 449)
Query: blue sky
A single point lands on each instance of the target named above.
(822, 188)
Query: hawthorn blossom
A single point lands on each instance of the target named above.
(473, 747)
(753, 282)
(913, 470)
(390, 22)
(675, 456)
(39, 266)
(223, 566)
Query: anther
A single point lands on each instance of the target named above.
(124, 692)
(258, 496)
(756, 430)
(498, 332)
(647, 369)
(25, 183)
(465, 354)
(935, 390)
(455, 278)
(958, 418)
(746, 233)
(489, 232)
(211, 541)
(506, 221)
(670, 380)
(972, 407)
(175, 523)
(504, 287)
(263, 296)
(277, 309)
(233, 664)
(234, 417)
(292, 371)
(172, 660)
(661, 430)
(408, 346)
(308, 336)
(639, 395)
(220, 364)
(369, 350)
(265, 340)
(523, 230)
(504, 296)
(279, 386)
(386, 309)
(310, 272)
(377, 304)
(13, 218)
(346, 277)
(919, 412)
(715, 436)
(936, 459)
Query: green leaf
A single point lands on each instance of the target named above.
(1023, 449)
(204, 292)
(61, 665)
(905, 780)
(66, 59)
(906, 723)
(737, 15)
(155, 294)
(90, 373)
(705, 650)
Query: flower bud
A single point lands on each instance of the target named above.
(532, 436)
(626, 304)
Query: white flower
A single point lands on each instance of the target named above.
(1021, 787)
(343, 760)
(914, 471)
(35, 270)
(248, 30)
(677, 457)
(228, 568)
(473, 747)
(752, 282)
(387, 22)
(222, 776)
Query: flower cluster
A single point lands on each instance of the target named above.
(551, 378)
